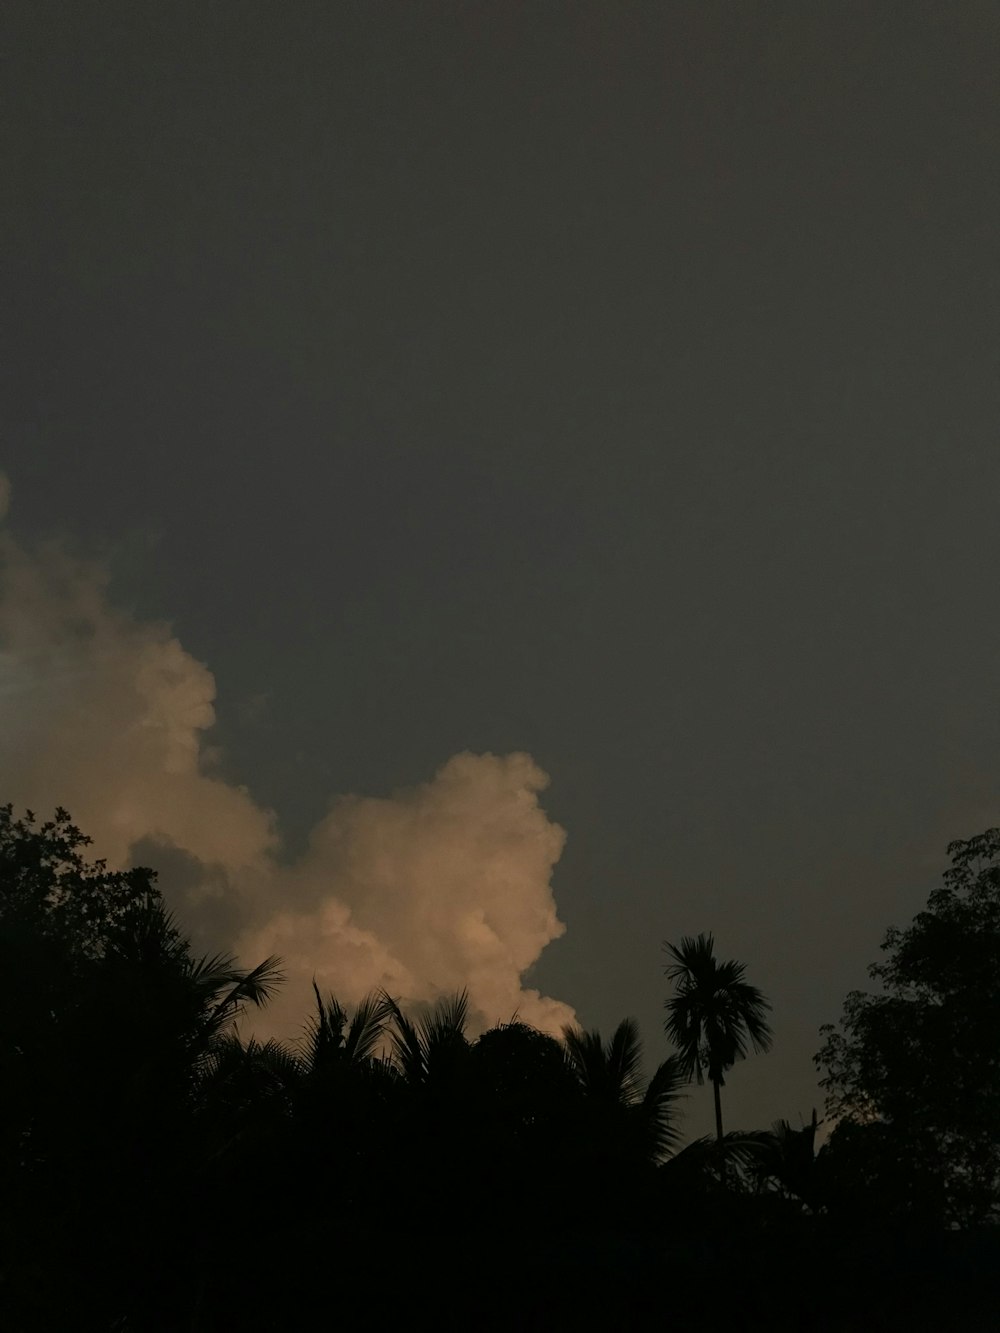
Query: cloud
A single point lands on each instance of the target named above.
(434, 888)
(439, 887)
(107, 715)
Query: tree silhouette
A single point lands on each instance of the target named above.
(715, 1014)
(638, 1120)
(920, 1055)
(144, 1138)
(432, 1045)
(109, 1028)
(787, 1162)
(51, 893)
(349, 1103)
(336, 1038)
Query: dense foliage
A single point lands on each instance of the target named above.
(913, 1070)
(160, 1171)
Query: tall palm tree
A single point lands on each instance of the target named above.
(714, 1015)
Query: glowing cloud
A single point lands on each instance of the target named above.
(435, 888)
(431, 889)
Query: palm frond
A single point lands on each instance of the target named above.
(323, 1036)
(585, 1057)
(366, 1029)
(445, 1023)
(623, 1060)
(262, 982)
(740, 1149)
(684, 1026)
(148, 933)
(334, 1037)
(239, 988)
(744, 1147)
(249, 1069)
(213, 971)
(659, 1103)
(226, 1053)
(693, 958)
(715, 1016)
(406, 1045)
(281, 1062)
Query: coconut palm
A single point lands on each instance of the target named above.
(199, 1000)
(715, 1014)
(336, 1038)
(240, 1079)
(346, 1083)
(609, 1075)
(701, 1162)
(431, 1045)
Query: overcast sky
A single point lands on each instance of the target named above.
(615, 384)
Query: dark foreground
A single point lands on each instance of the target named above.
(525, 1278)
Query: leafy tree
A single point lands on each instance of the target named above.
(870, 1176)
(59, 915)
(524, 1090)
(921, 1056)
(715, 1014)
(108, 1029)
(50, 892)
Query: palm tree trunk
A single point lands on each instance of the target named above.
(716, 1084)
(718, 1109)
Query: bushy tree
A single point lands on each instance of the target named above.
(921, 1056)
(108, 1028)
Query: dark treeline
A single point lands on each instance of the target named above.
(160, 1171)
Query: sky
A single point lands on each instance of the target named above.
(495, 486)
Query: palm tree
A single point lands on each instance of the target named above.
(610, 1078)
(432, 1045)
(714, 1014)
(706, 1161)
(346, 1080)
(337, 1039)
(198, 1001)
(788, 1165)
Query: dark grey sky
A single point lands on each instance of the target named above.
(617, 382)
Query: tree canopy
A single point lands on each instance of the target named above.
(917, 1062)
(392, 1165)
